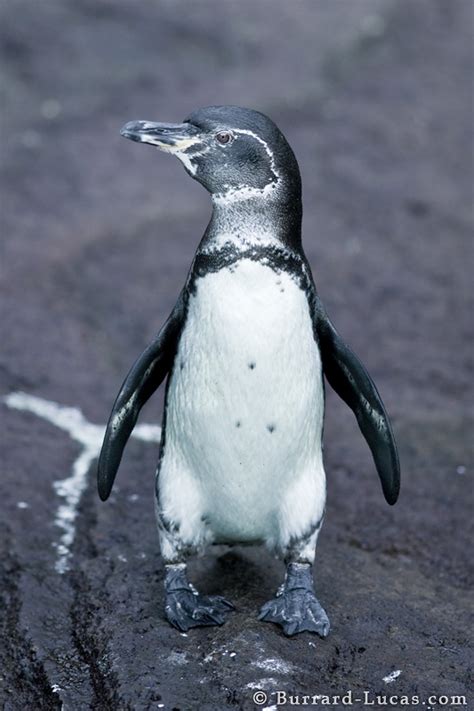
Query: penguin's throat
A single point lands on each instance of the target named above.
(254, 221)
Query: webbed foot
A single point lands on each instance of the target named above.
(296, 608)
(186, 608)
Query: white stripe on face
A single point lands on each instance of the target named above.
(244, 192)
(177, 149)
(180, 145)
(247, 132)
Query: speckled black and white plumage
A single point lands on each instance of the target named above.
(245, 348)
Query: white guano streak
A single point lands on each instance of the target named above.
(390, 678)
(90, 437)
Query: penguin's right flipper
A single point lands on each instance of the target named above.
(351, 381)
(145, 376)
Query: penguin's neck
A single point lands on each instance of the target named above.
(254, 221)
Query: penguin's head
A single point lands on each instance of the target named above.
(235, 153)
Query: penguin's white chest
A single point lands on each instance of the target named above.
(245, 403)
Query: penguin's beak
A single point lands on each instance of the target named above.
(170, 137)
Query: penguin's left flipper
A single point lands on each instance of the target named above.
(351, 381)
(145, 376)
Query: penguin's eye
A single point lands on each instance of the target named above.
(224, 137)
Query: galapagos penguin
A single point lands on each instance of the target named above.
(245, 349)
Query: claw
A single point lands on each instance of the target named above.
(290, 629)
(222, 601)
(265, 611)
(207, 617)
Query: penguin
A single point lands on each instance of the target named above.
(245, 351)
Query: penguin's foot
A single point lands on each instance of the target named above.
(186, 608)
(296, 608)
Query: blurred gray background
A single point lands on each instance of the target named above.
(375, 97)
